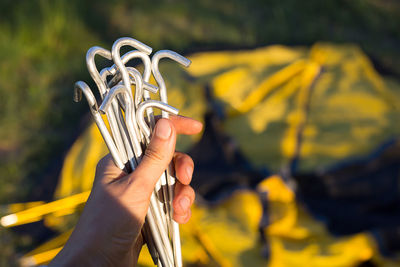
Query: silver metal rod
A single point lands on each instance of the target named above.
(170, 180)
(91, 65)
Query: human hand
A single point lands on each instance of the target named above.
(109, 230)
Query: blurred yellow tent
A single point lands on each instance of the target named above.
(281, 104)
(330, 96)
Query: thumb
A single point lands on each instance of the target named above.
(157, 156)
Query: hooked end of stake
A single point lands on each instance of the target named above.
(132, 42)
(187, 62)
(77, 95)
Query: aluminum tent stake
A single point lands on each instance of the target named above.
(111, 116)
(82, 87)
(170, 180)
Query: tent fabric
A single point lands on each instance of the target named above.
(362, 194)
(296, 239)
(309, 108)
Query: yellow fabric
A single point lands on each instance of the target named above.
(207, 63)
(296, 239)
(331, 96)
(80, 163)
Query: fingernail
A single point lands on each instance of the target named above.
(163, 130)
(184, 202)
(189, 172)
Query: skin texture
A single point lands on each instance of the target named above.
(108, 232)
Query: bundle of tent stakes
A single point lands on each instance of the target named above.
(125, 94)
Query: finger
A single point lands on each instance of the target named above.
(183, 200)
(182, 219)
(157, 156)
(185, 125)
(183, 165)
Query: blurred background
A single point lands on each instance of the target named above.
(300, 156)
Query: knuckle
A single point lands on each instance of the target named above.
(187, 217)
(153, 155)
(184, 159)
(178, 211)
(180, 218)
(191, 193)
(188, 190)
(187, 159)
